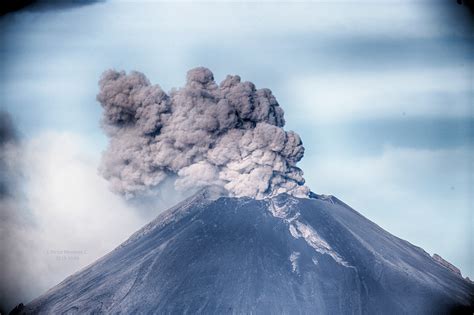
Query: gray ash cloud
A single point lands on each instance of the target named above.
(228, 135)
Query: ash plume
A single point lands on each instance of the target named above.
(228, 135)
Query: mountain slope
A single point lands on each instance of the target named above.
(239, 255)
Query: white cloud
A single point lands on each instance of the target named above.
(230, 18)
(64, 205)
(370, 95)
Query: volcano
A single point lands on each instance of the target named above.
(282, 255)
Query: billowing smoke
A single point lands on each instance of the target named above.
(228, 135)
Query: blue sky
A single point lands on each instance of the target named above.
(381, 94)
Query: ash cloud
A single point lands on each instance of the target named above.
(228, 135)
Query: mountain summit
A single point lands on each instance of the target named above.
(284, 255)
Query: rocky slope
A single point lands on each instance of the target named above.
(279, 256)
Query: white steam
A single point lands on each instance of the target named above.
(229, 135)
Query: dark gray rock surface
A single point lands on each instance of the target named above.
(280, 256)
